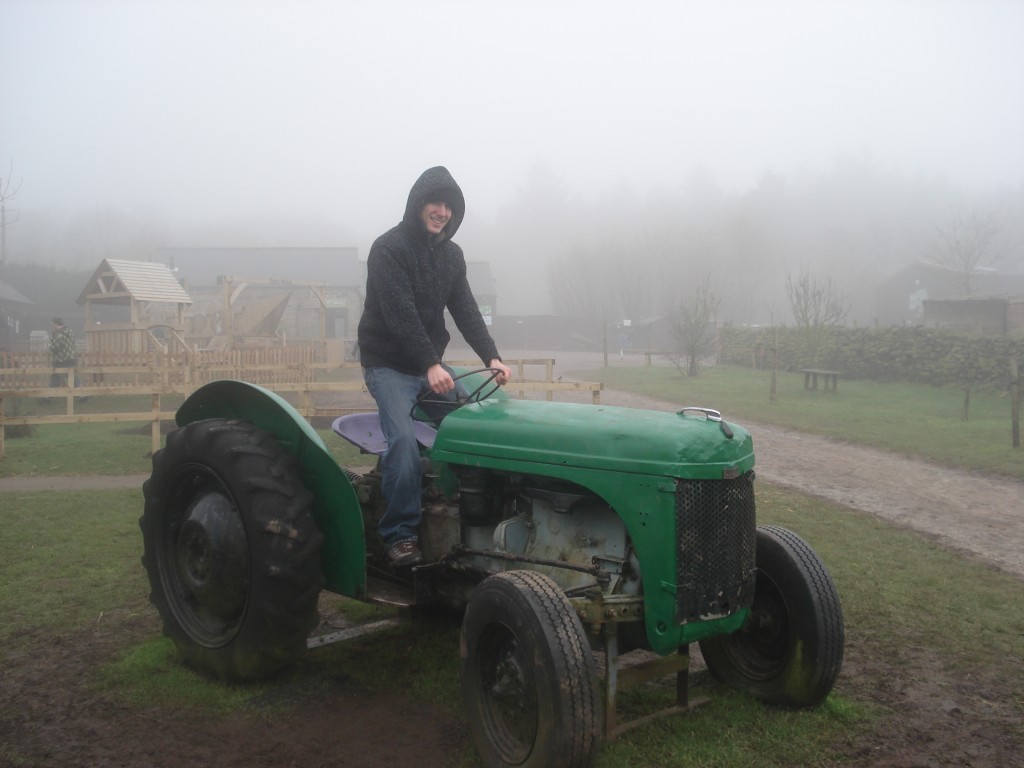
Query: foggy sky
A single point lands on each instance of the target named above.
(324, 113)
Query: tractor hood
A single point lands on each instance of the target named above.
(595, 437)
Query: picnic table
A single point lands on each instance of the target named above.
(829, 378)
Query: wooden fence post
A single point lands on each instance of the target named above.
(154, 431)
(1015, 395)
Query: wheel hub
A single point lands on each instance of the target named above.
(204, 562)
(213, 561)
(511, 701)
(508, 689)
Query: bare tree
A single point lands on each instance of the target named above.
(601, 282)
(817, 306)
(580, 285)
(6, 193)
(968, 242)
(692, 327)
(815, 301)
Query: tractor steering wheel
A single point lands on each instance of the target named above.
(464, 399)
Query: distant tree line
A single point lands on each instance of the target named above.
(622, 253)
(839, 234)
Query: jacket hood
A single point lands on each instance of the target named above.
(435, 184)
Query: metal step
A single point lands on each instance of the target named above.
(380, 591)
(350, 633)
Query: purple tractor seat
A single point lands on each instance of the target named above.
(363, 431)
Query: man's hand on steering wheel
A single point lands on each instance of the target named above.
(505, 373)
(439, 380)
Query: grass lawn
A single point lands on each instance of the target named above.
(108, 449)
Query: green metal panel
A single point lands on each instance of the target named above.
(336, 507)
(597, 437)
(630, 458)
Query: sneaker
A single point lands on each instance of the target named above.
(405, 553)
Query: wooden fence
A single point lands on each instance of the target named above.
(300, 380)
(269, 365)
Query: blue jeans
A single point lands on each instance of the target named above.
(402, 481)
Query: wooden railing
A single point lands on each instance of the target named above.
(268, 365)
(158, 382)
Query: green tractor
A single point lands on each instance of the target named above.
(556, 529)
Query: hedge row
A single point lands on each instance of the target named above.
(913, 354)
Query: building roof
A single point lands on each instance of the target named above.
(899, 299)
(945, 283)
(117, 281)
(337, 267)
(10, 294)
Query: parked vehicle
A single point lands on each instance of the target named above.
(556, 528)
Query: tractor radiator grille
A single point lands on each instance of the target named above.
(715, 535)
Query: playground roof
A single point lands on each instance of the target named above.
(117, 281)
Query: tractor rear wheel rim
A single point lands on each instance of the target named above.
(205, 559)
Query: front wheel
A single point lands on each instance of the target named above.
(790, 650)
(529, 680)
(231, 549)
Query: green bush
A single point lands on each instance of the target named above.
(912, 354)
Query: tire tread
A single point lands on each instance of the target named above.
(283, 538)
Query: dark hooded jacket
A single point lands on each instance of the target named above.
(411, 278)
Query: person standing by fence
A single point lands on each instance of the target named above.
(62, 353)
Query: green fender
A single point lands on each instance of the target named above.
(336, 506)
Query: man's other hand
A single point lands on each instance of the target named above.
(504, 372)
(439, 379)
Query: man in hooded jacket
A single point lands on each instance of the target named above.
(414, 272)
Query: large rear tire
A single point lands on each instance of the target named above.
(790, 650)
(231, 549)
(529, 680)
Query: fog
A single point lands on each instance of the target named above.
(589, 128)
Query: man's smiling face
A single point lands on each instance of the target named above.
(436, 216)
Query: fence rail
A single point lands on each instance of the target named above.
(158, 382)
(261, 366)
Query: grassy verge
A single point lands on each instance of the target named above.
(71, 562)
(909, 419)
(109, 449)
